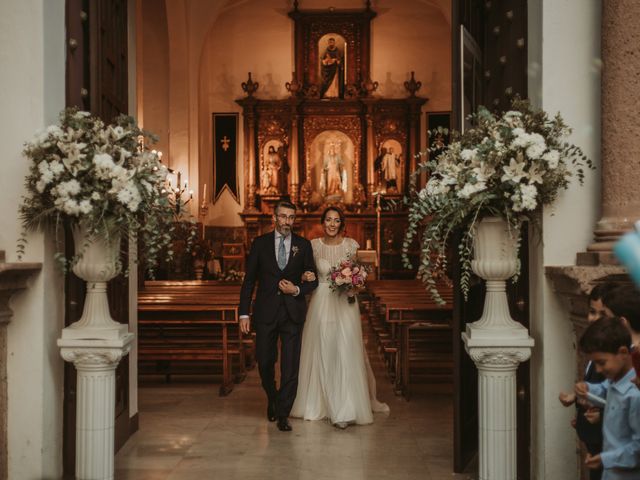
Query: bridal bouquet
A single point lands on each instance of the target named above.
(507, 166)
(99, 177)
(348, 276)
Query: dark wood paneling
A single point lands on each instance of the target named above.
(97, 80)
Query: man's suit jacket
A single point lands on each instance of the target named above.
(262, 267)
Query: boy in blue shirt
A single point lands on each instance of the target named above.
(588, 421)
(607, 343)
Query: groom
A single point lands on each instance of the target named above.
(277, 261)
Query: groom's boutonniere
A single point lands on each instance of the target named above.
(294, 250)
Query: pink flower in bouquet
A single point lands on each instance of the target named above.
(347, 276)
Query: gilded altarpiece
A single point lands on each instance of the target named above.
(332, 141)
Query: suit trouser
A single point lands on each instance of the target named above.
(290, 335)
(594, 449)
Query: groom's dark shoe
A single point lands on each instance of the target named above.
(283, 424)
(271, 412)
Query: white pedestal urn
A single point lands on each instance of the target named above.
(95, 344)
(497, 344)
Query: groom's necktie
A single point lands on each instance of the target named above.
(282, 254)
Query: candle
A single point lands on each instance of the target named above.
(204, 194)
(368, 244)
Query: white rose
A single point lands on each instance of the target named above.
(85, 206)
(552, 157)
(535, 150)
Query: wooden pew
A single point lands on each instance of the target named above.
(192, 322)
(413, 330)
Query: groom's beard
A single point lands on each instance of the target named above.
(283, 230)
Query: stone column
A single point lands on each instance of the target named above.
(13, 278)
(497, 344)
(95, 362)
(497, 366)
(620, 126)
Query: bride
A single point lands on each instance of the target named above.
(335, 380)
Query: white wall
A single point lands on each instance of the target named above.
(31, 94)
(564, 76)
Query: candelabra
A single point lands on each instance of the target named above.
(176, 193)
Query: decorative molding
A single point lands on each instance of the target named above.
(91, 356)
(503, 358)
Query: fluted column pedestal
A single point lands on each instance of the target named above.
(95, 362)
(497, 361)
(497, 345)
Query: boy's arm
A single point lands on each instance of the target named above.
(599, 389)
(627, 455)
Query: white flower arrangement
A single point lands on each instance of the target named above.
(506, 166)
(86, 173)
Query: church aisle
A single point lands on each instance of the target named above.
(189, 432)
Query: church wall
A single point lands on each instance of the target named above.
(154, 62)
(31, 94)
(217, 43)
(564, 52)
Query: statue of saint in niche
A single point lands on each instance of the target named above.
(332, 71)
(333, 181)
(388, 165)
(272, 173)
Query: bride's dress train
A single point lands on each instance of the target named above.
(335, 380)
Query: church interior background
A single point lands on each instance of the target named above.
(320, 103)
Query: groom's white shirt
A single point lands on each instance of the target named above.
(287, 247)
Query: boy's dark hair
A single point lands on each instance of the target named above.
(600, 290)
(624, 301)
(605, 335)
(284, 204)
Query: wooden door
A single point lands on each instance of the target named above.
(498, 30)
(97, 79)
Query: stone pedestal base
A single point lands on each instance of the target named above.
(497, 360)
(95, 362)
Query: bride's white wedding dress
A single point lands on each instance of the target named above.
(335, 380)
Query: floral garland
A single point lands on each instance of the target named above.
(100, 177)
(506, 166)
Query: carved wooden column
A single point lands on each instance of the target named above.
(415, 114)
(13, 278)
(249, 122)
(294, 160)
(620, 128)
(371, 151)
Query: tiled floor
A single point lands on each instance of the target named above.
(189, 432)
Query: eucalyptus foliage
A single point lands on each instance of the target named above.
(85, 173)
(507, 166)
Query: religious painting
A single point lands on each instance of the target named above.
(225, 151)
(390, 167)
(332, 55)
(273, 168)
(332, 158)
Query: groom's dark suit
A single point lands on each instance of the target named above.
(276, 314)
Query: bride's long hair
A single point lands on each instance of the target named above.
(343, 223)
